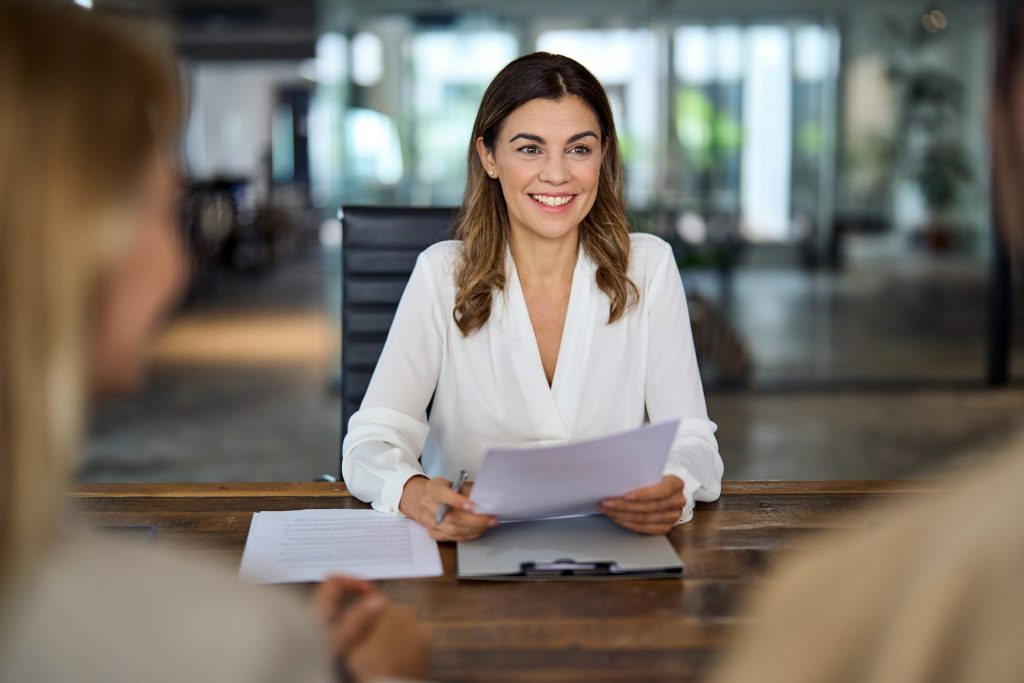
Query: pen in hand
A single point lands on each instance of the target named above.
(444, 508)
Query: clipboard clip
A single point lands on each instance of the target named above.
(567, 567)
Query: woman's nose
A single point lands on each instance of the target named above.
(554, 171)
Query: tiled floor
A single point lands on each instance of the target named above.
(858, 435)
(911, 321)
(237, 391)
(239, 387)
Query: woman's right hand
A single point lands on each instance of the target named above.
(420, 499)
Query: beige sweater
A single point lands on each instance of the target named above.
(931, 591)
(108, 610)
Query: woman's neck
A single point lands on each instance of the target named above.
(544, 262)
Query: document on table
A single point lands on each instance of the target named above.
(299, 546)
(569, 481)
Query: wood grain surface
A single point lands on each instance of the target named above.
(639, 630)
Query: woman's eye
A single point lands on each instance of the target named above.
(581, 150)
(530, 149)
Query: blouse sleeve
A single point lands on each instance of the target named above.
(673, 388)
(386, 435)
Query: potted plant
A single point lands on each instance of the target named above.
(927, 146)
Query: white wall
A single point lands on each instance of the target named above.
(229, 125)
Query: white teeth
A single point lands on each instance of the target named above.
(553, 201)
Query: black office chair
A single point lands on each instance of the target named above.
(379, 246)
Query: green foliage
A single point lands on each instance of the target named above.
(927, 140)
(810, 138)
(708, 136)
(942, 169)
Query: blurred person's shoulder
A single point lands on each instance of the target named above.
(106, 609)
(927, 584)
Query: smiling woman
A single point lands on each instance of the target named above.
(545, 322)
(557, 105)
(548, 189)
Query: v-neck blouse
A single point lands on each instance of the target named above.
(489, 388)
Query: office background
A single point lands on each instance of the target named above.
(821, 170)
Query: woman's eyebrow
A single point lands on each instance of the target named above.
(527, 136)
(580, 136)
(538, 139)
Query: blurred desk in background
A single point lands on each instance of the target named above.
(639, 630)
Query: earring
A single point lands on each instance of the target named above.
(490, 173)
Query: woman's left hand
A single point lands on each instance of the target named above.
(652, 510)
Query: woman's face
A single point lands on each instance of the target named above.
(141, 287)
(547, 157)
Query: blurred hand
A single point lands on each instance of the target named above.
(421, 497)
(651, 510)
(369, 635)
(398, 646)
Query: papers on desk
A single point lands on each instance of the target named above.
(570, 480)
(299, 546)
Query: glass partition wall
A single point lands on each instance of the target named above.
(823, 178)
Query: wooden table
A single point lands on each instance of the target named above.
(653, 630)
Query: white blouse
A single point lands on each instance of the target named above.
(489, 389)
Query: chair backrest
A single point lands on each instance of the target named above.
(379, 246)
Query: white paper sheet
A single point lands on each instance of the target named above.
(570, 480)
(308, 545)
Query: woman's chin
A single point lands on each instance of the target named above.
(554, 228)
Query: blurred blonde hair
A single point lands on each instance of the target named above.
(85, 107)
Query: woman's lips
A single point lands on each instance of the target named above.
(553, 203)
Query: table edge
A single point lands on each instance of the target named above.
(331, 489)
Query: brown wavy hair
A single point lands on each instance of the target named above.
(482, 223)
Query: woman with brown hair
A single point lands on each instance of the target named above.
(545, 322)
(89, 113)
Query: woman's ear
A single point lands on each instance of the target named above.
(486, 158)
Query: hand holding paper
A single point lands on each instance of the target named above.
(570, 480)
(650, 510)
